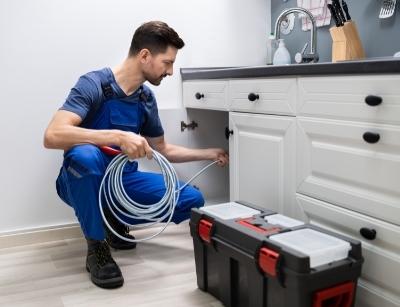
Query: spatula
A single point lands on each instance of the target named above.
(387, 8)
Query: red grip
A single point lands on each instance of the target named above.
(268, 261)
(110, 151)
(204, 229)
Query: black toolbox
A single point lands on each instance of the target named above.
(238, 262)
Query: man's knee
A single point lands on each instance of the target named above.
(198, 199)
(192, 198)
(88, 158)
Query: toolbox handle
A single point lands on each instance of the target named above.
(253, 225)
(340, 295)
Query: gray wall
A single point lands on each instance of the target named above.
(380, 37)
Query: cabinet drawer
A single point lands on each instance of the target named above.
(335, 164)
(272, 96)
(205, 94)
(381, 269)
(345, 97)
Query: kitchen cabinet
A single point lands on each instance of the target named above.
(262, 153)
(348, 171)
(325, 149)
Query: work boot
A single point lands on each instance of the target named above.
(123, 230)
(104, 271)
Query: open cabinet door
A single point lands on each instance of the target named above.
(210, 132)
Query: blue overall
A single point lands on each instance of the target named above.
(84, 167)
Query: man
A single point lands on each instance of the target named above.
(112, 107)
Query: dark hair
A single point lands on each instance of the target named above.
(155, 36)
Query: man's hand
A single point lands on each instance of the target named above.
(134, 146)
(218, 154)
(179, 154)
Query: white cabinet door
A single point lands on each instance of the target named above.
(379, 283)
(336, 164)
(209, 94)
(262, 155)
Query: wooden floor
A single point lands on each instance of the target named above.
(160, 272)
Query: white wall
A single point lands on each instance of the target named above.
(46, 44)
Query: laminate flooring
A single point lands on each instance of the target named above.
(159, 272)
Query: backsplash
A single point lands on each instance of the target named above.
(380, 37)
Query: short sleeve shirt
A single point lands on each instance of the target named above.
(87, 96)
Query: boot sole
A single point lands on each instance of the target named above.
(121, 247)
(111, 283)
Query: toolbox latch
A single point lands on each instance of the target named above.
(268, 261)
(204, 230)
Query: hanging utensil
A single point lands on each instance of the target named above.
(387, 8)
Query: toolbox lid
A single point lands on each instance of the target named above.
(320, 247)
(231, 210)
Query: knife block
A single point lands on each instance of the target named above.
(346, 43)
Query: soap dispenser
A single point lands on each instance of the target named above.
(282, 55)
(271, 48)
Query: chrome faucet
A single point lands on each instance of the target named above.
(301, 57)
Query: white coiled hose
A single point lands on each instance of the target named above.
(117, 200)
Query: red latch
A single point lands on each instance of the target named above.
(205, 230)
(338, 296)
(268, 261)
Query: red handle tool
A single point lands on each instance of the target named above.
(110, 151)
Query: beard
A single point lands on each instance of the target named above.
(155, 80)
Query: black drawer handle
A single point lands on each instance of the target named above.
(228, 132)
(253, 97)
(368, 233)
(371, 137)
(199, 96)
(373, 101)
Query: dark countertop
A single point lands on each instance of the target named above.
(369, 66)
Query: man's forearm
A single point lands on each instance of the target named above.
(68, 136)
(178, 154)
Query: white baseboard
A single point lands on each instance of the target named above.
(41, 235)
(56, 233)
